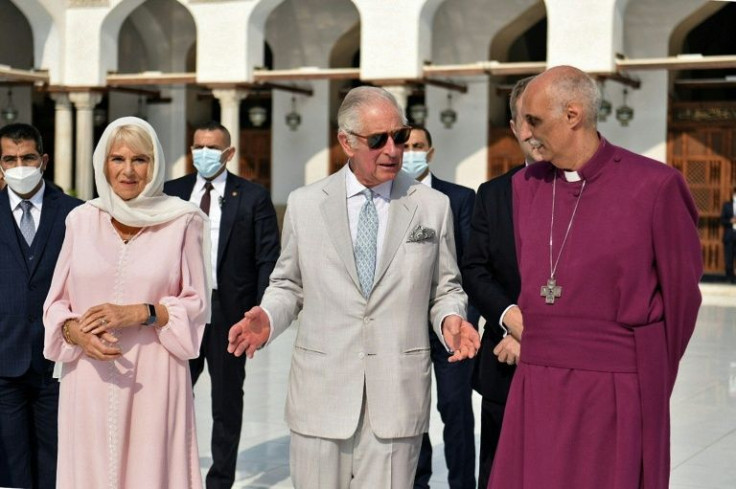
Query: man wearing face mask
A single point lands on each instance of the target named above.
(454, 390)
(32, 216)
(245, 247)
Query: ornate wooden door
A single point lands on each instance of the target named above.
(701, 144)
(255, 156)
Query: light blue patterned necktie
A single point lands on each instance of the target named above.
(27, 226)
(366, 243)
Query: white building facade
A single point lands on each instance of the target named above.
(183, 62)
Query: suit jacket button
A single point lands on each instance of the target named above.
(361, 355)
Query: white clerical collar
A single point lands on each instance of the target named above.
(572, 176)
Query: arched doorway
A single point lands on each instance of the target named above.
(522, 40)
(701, 139)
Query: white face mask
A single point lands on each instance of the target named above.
(23, 179)
(414, 163)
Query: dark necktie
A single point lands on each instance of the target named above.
(204, 204)
(27, 226)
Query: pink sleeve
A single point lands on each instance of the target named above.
(189, 310)
(57, 308)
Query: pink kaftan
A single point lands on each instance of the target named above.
(128, 423)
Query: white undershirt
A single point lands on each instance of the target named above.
(217, 196)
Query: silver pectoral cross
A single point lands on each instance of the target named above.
(551, 291)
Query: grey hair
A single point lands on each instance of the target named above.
(578, 86)
(349, 114)
(516, 93)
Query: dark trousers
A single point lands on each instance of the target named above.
(454, 402)
(491, 418)
(728, 255)
(227, 374)
(28, 430)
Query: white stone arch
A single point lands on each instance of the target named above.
(315, 29)
(16, 31)
(461, 153)
(43, 17)
(229, 51)
(506, 36)
(650, 32)
(164, 30)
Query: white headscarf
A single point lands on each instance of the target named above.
(152, 206)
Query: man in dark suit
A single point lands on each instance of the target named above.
(491, 280)
(728, 221)
(454, 392)
(32, 216)
(245, 247)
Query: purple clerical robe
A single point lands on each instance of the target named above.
(589, 404)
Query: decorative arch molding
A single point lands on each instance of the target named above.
(505, 37)
(109, 33)
(166, 44)
(43, 17)
(681, 30)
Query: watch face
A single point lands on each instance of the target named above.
(151, 314)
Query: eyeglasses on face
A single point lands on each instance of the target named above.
(26, 160)
(379, 139)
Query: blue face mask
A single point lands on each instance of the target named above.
(207, 161)
(414, 163)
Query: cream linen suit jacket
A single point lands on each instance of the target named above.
(346, 342)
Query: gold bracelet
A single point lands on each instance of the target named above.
(65, 332)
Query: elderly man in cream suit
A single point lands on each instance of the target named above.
(368, 255)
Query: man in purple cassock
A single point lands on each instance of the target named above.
(610, 260)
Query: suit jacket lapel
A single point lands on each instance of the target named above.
(230, 206)
(7, 230)
(335, 214)
(48, 218)
(400, 214)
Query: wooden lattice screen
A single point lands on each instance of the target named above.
(701, 146)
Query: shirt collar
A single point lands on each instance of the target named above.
(36, 199)
(427, 180)
(354, 187)
(218, 183)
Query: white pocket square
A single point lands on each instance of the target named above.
(420, 233)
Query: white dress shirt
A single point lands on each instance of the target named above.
(381, 199)
(217, 197)
(36, 200)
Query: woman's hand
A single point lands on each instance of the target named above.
(104, 317)
(98, 346)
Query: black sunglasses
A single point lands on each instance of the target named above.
(379, 140)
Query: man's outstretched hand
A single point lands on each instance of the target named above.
(249, 334)
(461, 337)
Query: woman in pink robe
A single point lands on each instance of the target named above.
(126, 311)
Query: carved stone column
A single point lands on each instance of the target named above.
(63, 134)
(229, 99)
(85, 103)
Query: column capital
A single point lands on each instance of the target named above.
(61, 99)
(85, 100)
(229, 96)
